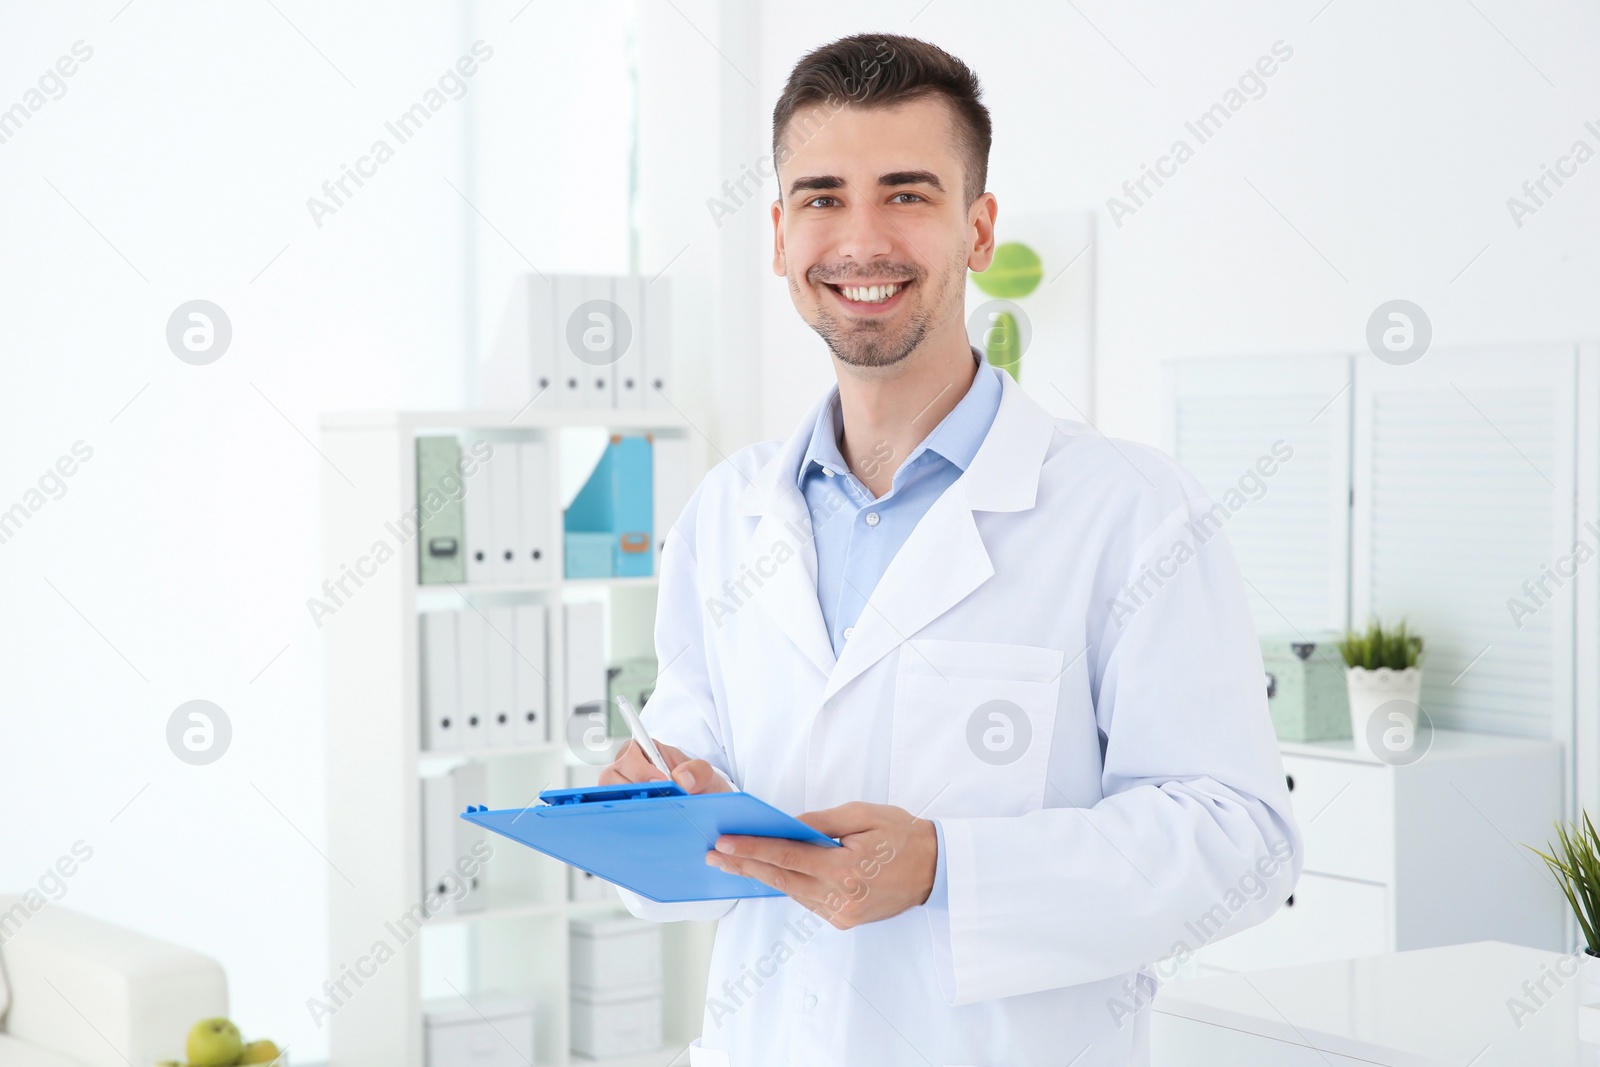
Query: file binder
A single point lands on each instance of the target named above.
(648, 837)
(505, 513)
(441, 694)
(657, 356)
(476, 531)
(585, 638)
(672, 484)
(532, 667)
(606, 332)
(535, 548)
(592, 331)
(502, 723)
(440, 555)
(472, 637)
(628, 291)
(543, 340)
(446, 841)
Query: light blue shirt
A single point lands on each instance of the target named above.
(857, 534)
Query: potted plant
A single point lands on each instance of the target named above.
(1381, 665)
(1575, 862)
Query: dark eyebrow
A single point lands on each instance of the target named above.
(828, 182)
(816, 183)
(911, 177)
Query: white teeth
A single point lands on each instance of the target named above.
(871, 294)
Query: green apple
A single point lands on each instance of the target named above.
(262, 1051)
(214, 1043)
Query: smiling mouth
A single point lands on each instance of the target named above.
(880, 293)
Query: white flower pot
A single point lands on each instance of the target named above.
(1588, 998)
(1370, 690)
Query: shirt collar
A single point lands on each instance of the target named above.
(956, 438)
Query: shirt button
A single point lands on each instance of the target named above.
(848, 630)
(828, 471)
(828, 704)
(872, 518)
(811, 1000)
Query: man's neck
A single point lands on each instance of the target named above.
(888, 412)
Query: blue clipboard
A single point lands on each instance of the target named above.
(648, 837)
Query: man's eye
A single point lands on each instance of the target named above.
(897, 196)
(817, 200)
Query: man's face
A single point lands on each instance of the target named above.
(873, 230)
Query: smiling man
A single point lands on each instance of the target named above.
(902, 624)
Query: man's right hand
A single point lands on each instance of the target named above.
(694, 775)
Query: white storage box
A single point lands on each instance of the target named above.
(493, 1031)
(612, 953)
(582, 886)
(615, 1023)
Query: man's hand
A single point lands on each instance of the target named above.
(632, 765)
(886, 865)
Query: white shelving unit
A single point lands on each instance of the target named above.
(375, 761)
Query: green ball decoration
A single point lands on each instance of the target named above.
(1015, 272)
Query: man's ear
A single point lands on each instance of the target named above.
(780, 263)
(980, 220)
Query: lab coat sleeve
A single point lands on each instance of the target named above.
(1193, 837)
(681, 711)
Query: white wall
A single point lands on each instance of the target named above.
(178, 562)
(700, 125)
(1390, 140)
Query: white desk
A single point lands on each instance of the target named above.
(1427, 1008)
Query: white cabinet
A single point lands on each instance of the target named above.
(1407, 857)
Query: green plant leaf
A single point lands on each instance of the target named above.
(1574, 861)
(1396, 648)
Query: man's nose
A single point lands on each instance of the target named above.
(866, 233)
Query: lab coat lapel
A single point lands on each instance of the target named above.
(780, 561)
(944, 558)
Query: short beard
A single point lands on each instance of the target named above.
(873, 350)
(866, 345)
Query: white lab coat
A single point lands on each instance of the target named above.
(1147, 808)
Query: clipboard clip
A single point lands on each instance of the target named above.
(595, 794)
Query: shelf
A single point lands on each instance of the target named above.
(530, 418)
(482, 752)
(534, 911)
(508, 911)
(648, 581)
(550, 586)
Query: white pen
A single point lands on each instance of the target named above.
(636, 727)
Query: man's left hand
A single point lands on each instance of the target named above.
(885, 866)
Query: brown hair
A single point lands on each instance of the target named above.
(882, 70)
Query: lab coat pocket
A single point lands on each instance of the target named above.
(973, 722)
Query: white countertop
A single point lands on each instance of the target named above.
(1444, 744)
(1424, 1008)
